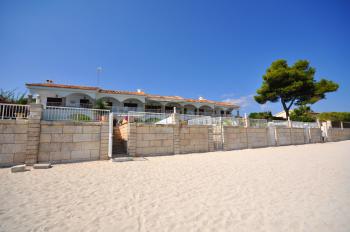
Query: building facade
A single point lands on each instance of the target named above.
(52, 94)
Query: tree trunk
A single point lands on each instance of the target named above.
(286, 109)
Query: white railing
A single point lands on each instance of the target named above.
(296, 124)
(257, 123)
(54, 113)
(208, 120)
(13, 111)
(191, 117)
(163, 118)
(74, 105)
(278, 123)
(125, 109)
(153, 110)
(145, 117)
(199, 120)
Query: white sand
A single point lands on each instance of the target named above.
(294, 188)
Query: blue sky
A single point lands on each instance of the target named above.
(215, 49)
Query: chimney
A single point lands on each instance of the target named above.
(49, 81)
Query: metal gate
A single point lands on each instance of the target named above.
(218, 136)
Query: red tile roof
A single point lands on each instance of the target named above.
(52, 85)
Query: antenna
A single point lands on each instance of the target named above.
(98, 70)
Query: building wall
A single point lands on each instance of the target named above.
(13, 141)
(63, 141)
(338, 134)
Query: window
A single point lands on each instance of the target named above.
(130, 105)
(153, 108)
(54, 101)
(85, 103)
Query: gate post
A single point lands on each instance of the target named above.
(131, 146)
(34, 129)
(176, 139)
(246, 121)
(110, 135)
(210, 138)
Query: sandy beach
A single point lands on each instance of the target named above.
(291, 188)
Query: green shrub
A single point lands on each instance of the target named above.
(334, 116)
(303, 114)
(152, 120)
(10, 96)
(79, 117)
(264, 115)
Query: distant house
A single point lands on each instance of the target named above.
(282, 114)
(52, 94)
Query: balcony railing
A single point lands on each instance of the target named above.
(54, 113)
(75, 105)
(126, 109)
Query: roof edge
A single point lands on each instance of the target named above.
(53, 85)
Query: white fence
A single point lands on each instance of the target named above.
(13, 111)
(144, 117)
(304, 124)
(163, 118)
(54, 113)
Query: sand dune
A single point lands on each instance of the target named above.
(292, 188)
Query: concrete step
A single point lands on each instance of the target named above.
(42, 166)
(19, 168)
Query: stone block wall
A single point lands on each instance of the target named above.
(257, 137)
(315, 135)
(235, 138)
(338, 134)
(148, 140)
(242, 138)
(13, 141)
(63, 141)
(283, 136)
(298, 136)
(195, 138)
(154, 140)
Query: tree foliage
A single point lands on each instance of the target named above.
(303, 114)
(11, 96)
(264, 115)
(101, 104)
(334, 116)
(292, 85)
(261, 115)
